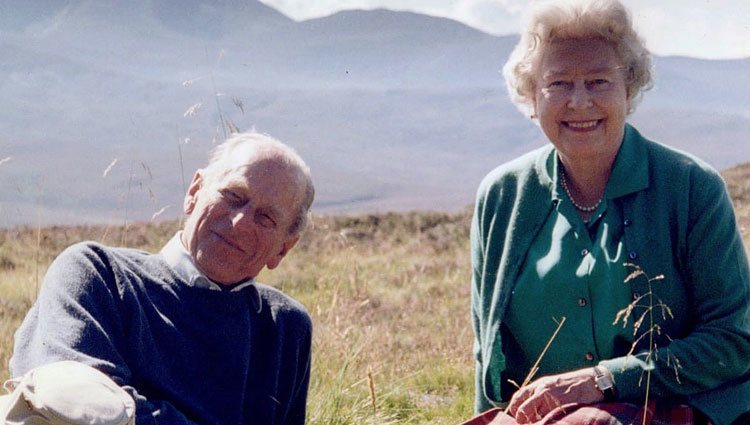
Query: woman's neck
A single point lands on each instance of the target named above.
(585, 180)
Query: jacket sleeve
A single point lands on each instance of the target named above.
(78, 315)
(713, 262)
(480, 403)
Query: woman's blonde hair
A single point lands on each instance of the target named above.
(548, 22)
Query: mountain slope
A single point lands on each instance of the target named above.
(393, 110)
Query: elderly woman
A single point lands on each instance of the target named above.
(604, 221)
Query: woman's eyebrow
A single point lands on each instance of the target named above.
(554, 73)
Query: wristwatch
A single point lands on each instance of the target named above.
(604, 383)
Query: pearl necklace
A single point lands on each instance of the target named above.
(578, 206)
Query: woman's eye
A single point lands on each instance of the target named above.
(599, 84)
(559, 85)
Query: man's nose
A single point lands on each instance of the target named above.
(242, 218)
(580, 98)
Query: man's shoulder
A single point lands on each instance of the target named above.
(91, 262)
(282, 306)
(92, 249)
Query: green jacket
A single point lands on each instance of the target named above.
(679, 222)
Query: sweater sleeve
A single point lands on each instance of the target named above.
(481, 403)
(716, 349)
(79, 315)
(298, 403)
(287, 327)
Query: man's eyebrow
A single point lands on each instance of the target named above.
(235, 186)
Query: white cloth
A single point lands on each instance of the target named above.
(65, 393)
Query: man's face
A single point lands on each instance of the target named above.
(238, 221)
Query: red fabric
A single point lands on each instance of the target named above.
(599, 414)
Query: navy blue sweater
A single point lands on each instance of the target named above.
(187, 355)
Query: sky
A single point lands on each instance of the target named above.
(709, 29)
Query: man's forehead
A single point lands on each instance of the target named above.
(244, 160)
(268, 168)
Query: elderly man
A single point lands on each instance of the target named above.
(188, 333)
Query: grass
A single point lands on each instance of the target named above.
(738, 183)
(389, 296)
(388, 293)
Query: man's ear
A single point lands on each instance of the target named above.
(285, 248)
(191, 197)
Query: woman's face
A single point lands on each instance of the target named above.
(580, 99)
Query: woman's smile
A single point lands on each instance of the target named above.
(582, 126)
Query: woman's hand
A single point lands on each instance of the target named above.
(532, 402)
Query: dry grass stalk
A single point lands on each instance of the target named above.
(371, 385)
(37, 280)
(110, 167)
(647, 303)
(535, 368)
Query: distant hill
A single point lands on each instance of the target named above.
(392, 110)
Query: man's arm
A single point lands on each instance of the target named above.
(80, 315)
(298, 404)
(286, 331)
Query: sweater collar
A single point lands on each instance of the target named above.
(178, 258)
(630, 170)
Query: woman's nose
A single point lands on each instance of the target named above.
(580, 98)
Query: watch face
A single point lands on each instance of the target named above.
(603, 382)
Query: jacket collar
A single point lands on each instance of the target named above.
(629, 171)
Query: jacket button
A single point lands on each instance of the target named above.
(584, 252)
(627, 222)
(582, 302)
(633, 255)
(590, 356)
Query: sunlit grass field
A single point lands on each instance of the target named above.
(388, 293)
